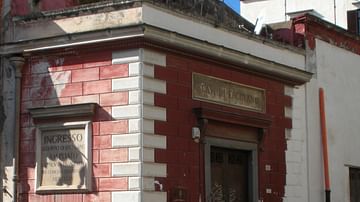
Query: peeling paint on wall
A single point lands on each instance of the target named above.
(40, 67)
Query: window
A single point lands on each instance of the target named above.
(353, 20)
(354, 174)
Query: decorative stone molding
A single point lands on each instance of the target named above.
(64, 157)
(244, 118)
(63, 148)
(18, 63)
(63, 111)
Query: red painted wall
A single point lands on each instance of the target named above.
(183, 157)
(84, 77)
(77, 78)
(316, 28)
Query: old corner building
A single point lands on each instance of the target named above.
(147, 101)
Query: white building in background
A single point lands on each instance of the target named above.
(334, 11)
(336, 71)
(332, 55)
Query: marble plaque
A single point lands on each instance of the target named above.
(64, 157)
(224, 92)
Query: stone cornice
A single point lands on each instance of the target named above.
(63, 111)
(244, 118)
(241, 60)
(161, 38)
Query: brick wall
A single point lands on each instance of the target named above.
(122, 153)
(183, 156)
(70, 80)
(315, 28)
(142, 127)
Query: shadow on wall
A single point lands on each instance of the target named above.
(49, 81)
(63, 164)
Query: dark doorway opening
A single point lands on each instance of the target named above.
(230, 171)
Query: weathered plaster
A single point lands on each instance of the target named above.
(25, 30)
(5, 10)
(155, 16)
(310, 60)
(2, 120)
(253, 49)
(7, 134)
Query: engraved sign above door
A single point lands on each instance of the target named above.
(224, 92)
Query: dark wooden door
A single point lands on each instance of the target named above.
(229, 175)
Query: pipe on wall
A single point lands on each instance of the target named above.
(324, 144)
(18, 63)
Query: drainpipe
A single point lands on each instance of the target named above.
(17, 62)
(324, 144)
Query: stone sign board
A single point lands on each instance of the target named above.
(224, 92)
(63, 157)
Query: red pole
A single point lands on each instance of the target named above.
(324, 143)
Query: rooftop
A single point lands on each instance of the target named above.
(205, 27)
(211, 11)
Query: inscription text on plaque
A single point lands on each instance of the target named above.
(219, 91)
(63, 157)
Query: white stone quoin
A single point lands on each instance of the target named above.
(141, 114)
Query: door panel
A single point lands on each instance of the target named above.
(229, 175)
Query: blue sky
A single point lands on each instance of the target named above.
(234, 4)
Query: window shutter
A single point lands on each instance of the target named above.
(352, 21)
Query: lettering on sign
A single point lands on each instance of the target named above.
(219, 91)
(63, 158)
